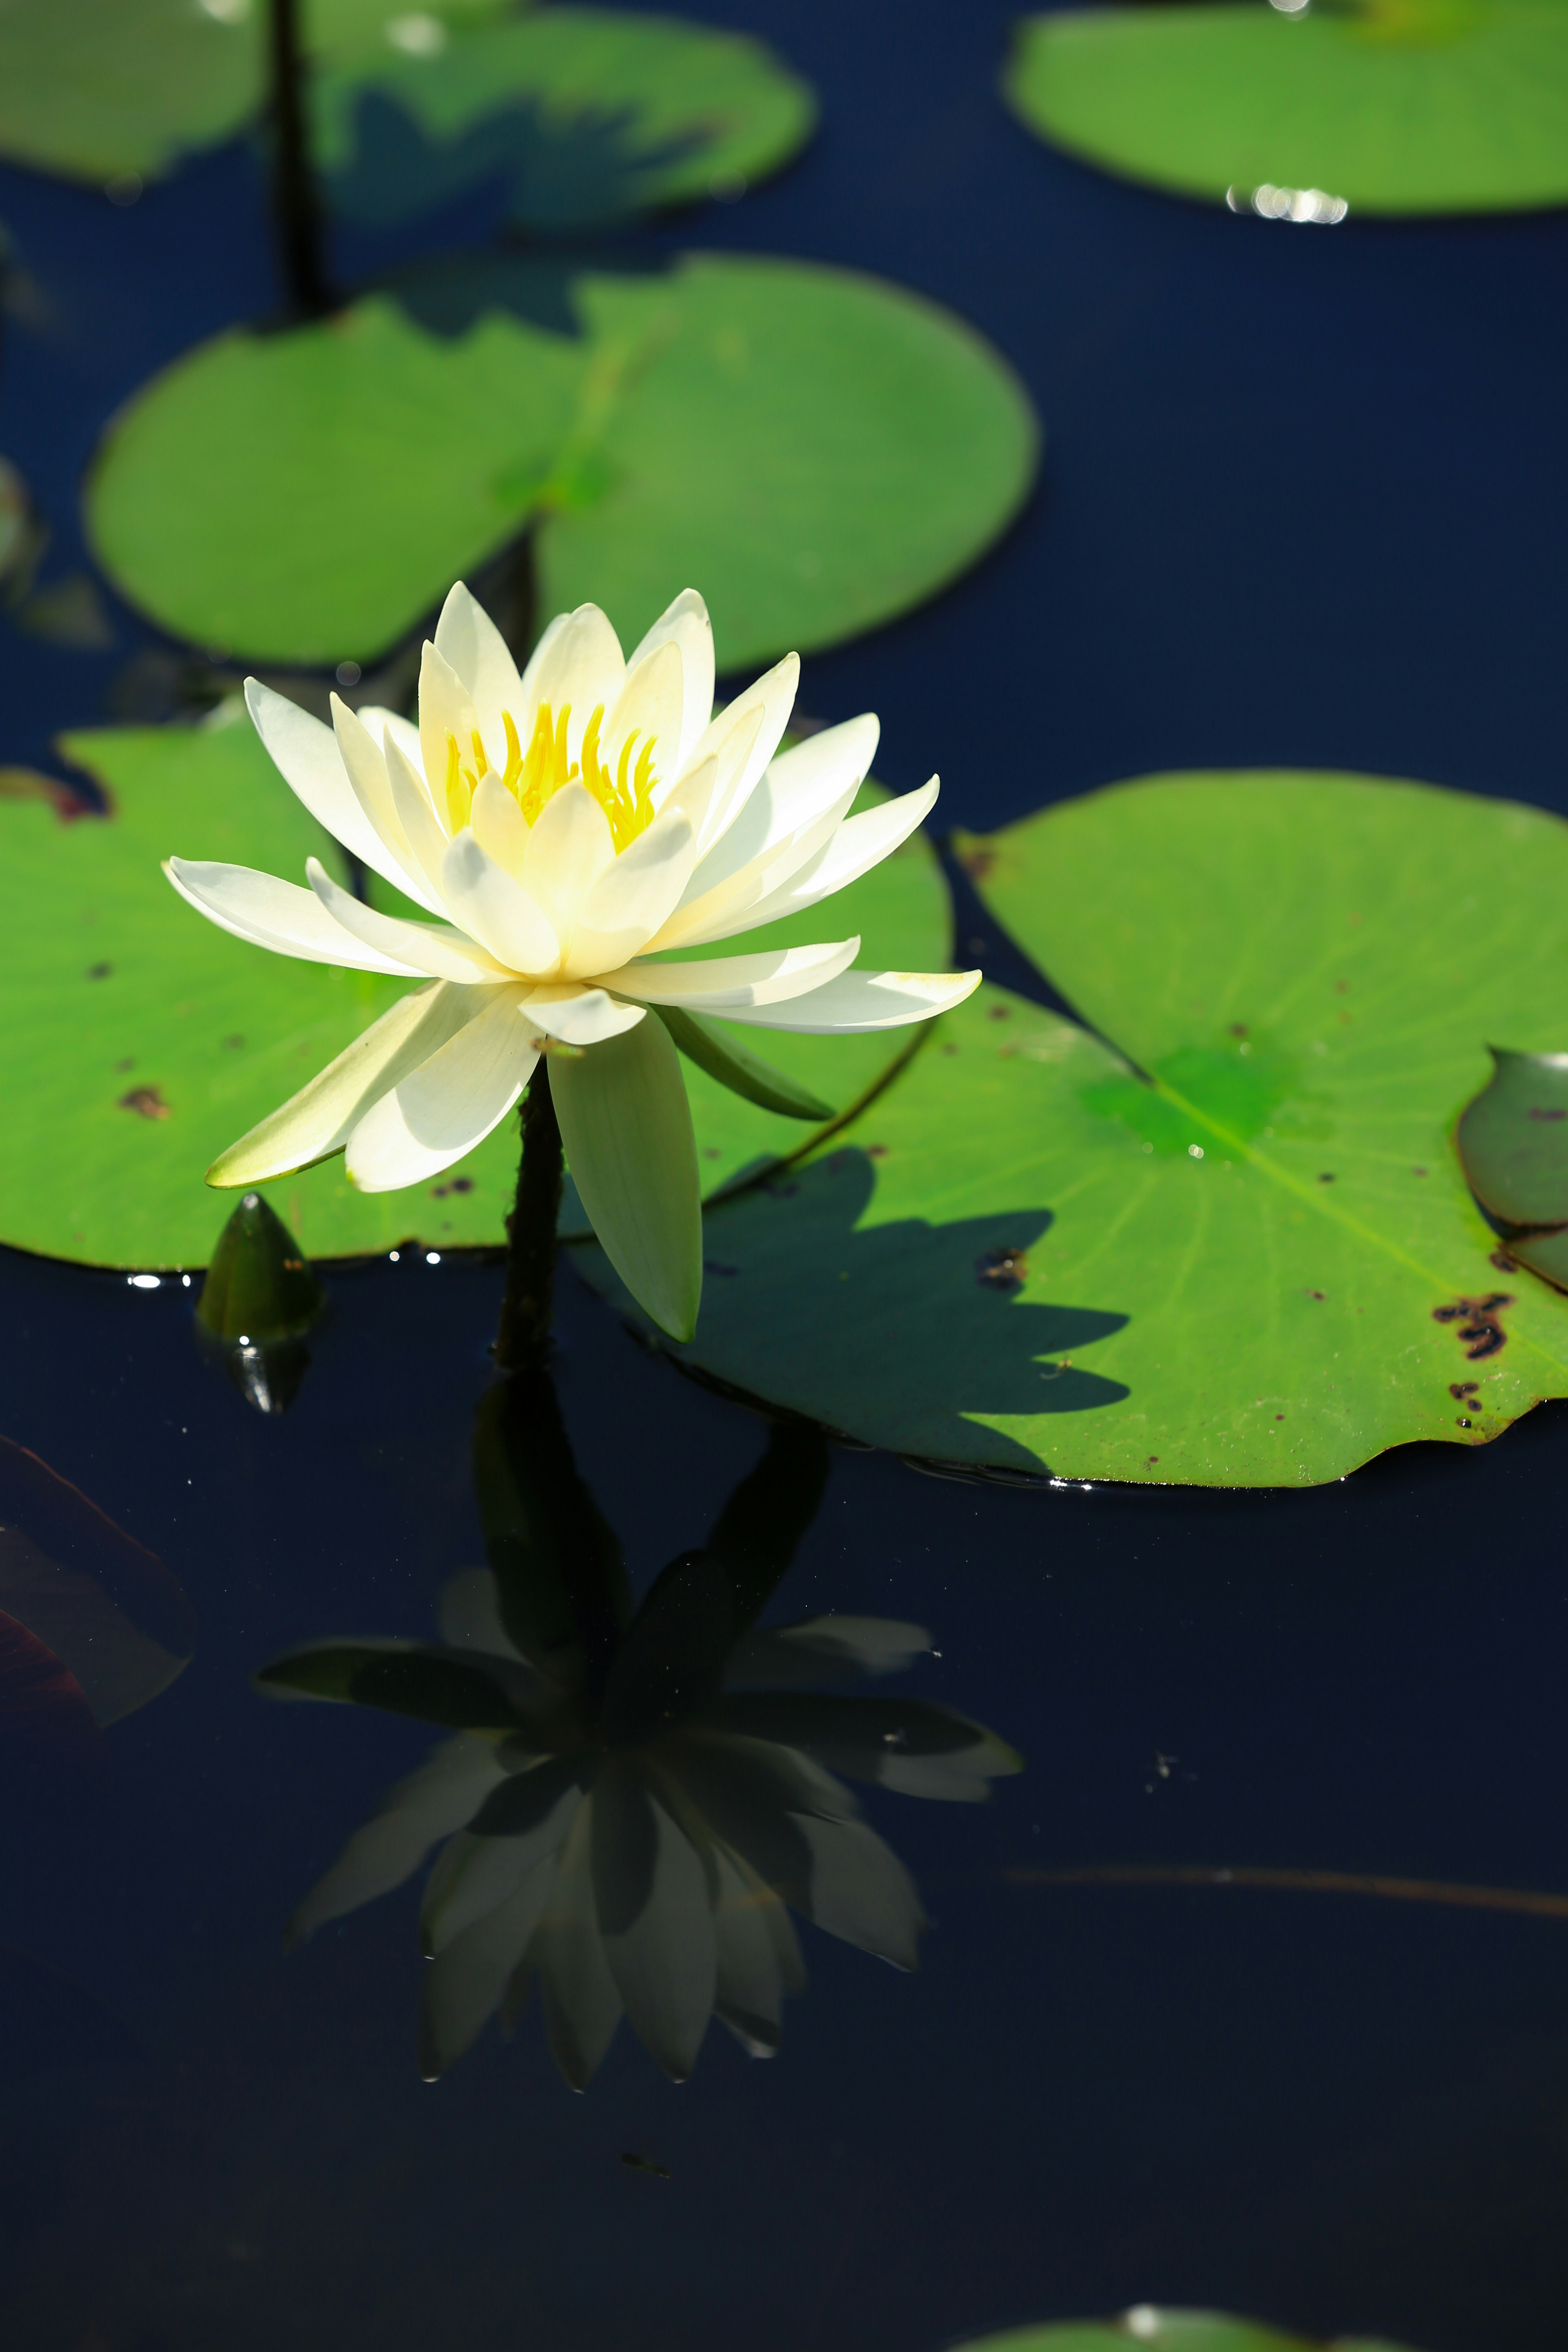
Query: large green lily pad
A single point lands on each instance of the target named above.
(1231, 1246)
(1175, 2331)
(815, 450)
(587, 114)
(141, 1040)
(1394, 105)
(98, 88)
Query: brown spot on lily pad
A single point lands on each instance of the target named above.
(1003, 1268)
(98, 970)
(1480, 1322)
(147, 1102)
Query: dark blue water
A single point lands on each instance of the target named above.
(1303, 503)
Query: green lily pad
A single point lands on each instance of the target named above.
(1392, 106)
(1234, 1245)
(1177, 2331)
(587, 113)
(816, 450)
(96, 90)
(143, 1040)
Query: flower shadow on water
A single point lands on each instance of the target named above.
(896, 1333)
(635, 1799)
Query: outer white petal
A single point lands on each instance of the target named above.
(446, 708)
(321, 1117)
(578, 661)
(797, 792)
(429, 1804)
(305, 754)
(578, 1017)
(433, 948)
(859, 842)
(568, 849)
(686, 623)
(658, 1935)
(861, 1891)
(496, 910)
(651, 703)
(749, 1990)
(582, 2004)
(446, 1105)
(382, 723)
(633, 896)
(723, 984)
(464, 1984)
(626, 1125)
(277, 915)
(499, 825)
(474, 649)
(364, 763)
(866, 999)
(426, 837)
(476, 1872)
(773, 696)
(723, 910)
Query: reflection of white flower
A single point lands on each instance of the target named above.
(642, 1860)
(562, 827)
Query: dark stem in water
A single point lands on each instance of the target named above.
(297, 213)
(523, 1335)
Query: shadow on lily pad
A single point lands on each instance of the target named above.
(899, 1333)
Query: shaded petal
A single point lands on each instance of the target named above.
(824, 1649)
(497, 910)
(693, 793)
(772, 695)
(429, 1804)
(723, 983)
(478, 1870)
(859, 844)
(634, 895)
(464, 1984)
(866, 1000)
(426, 837)
(478, 657)
(321, 1117)
(499, 825)
(749, 1983)
(364, 763)
(305, 754)
(687, 624)
(467, 1612)
(717, 913)
(577, 661)
(446, 708)
(581, 2003)
(626, 1125)
(916, 1746)
(568, 849)
(434, 948)
(797, 788)
(447, 1105)
(578, 1017)
(651, 1896)
(268, 913)
(860, 1891)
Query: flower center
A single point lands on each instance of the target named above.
(534, 776)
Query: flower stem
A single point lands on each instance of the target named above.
(522, 1337)
(297, 213)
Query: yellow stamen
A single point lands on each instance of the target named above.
(482, 765)
(537, 775)
(514, 753)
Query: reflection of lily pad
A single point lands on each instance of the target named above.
(816, 450)
(1398, 106)
(1264, 1252)
(1175, 2331)
(143, 1040)
(585, 114)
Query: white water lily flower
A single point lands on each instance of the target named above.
(564, 829)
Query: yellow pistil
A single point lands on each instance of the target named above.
(538, 774)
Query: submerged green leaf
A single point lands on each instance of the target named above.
(259, 1285)
(1239, 1250)
(1175, 2331)
(816, 451)
(415, 1678)
(1390, 106)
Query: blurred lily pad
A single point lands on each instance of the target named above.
(584, 115)
(1226, 1239)
(1514, 1139)
(143, 1040)
(1392, 106)
(816, 450)
(1177, 2331)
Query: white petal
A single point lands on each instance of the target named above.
(650, 704)
(429, 1804)
(687, 624)
(496, 910)
(446, 709)
(859, 842)
(434, 948)
(651, 1899)
(748, 1988)
(795, 792)
(499, 825)
(382, 723)
(410, 798)
(476, 1872)
(577, 661)
(820, 1649)
(723, 983)
(866, 1000)
(582, 2004)
(723, 911)
(277, 915)
(305, 754)
(364, 763)
(693, 793)
(474, 649)
(773, 696)
(464, 1985)
(321, 1117)
(578, 1017)
(626, 1125)
(861, 1891)
(633, 896)
(568, 849)
(469, 1614)
(447, 1105)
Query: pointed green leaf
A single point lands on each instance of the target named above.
(745, 1073)
(413, 1678)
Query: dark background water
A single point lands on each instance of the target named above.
(1304, 502)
